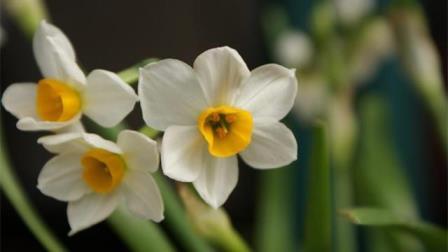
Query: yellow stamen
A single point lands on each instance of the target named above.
(56, 101)
(103, 170)
(227, 130)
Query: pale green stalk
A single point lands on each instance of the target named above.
(27, 14)
(15, 194)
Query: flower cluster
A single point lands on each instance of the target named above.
(210, 114)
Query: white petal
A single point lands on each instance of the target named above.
(76, 127)
(90, 210)
(143, 196)
(61, 177)
(55, 55)
(43, 49)
(183, 153)
(139, 151)
(108, 99)
(35, 124)
(221, 71)
(170, 94)
(217, 180)
(68, 70)
(273, 145)
(269, 92)
(20, 99)
(76, 141)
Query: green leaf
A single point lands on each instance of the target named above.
(434, 238)
(318, 236)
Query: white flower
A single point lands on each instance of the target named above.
(65, 93)
(94, 175)
(214, 111)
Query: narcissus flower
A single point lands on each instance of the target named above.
(94, 175)
(65, 93)
(215, 111)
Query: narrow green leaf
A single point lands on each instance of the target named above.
(15, 194)
(318, 236)
(434, 238)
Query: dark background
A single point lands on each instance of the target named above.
(116, 34)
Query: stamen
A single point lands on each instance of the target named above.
(221, 132)
(214, 117)
(227, 130)
(230, 118)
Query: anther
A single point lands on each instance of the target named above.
(221, 132)
(214, 117)
(230, 118)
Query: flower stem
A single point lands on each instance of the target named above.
(139, 235)
(177, 219)
(130, 75)
(14, 192)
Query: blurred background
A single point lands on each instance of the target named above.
(375, 71)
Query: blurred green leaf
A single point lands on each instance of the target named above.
(15, 194)
(434, 238)
(274, 230)
(379, 176)
(318, 220)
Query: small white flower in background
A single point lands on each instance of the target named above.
(350, 12)
(214, 111)
(64, 94)
(293, 49)
(95, 175)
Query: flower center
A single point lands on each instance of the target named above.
(103, 170)
(56, 101)
(227, 130)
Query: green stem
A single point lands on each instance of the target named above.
(130, 75)
(139, 235)
(177, 219)
(230, 240)
(14, 192)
